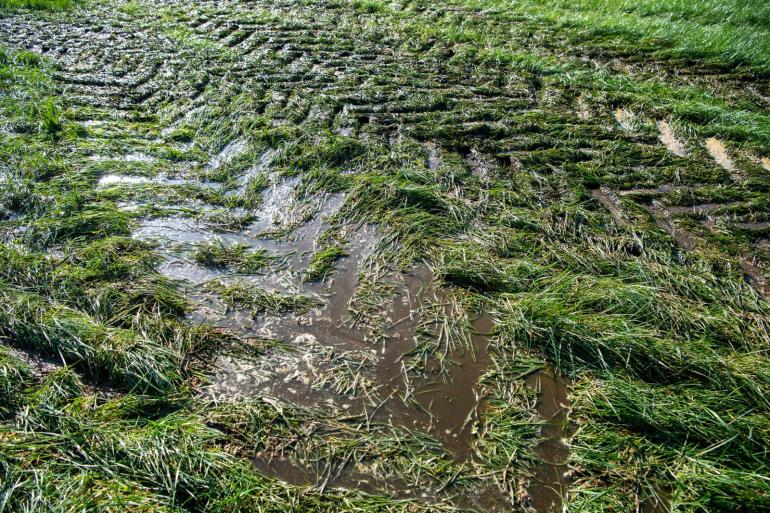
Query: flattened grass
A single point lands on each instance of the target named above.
(237, 257)
(669, 348)
(48, 5)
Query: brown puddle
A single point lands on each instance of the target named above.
(420, 372)
(658, 501)
(443, 401)
(548, 488)
(436, 393)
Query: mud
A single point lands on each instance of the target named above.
(549, 485)
(434, 160)
(663, 221)
(607, 198)
(331, 362)
(719, 153)
(703, 208)
(669, 139)
(40, 365)
(755, 274)
(758, 225)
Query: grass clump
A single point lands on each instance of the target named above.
(322, 263)
(15, 375)
(258, 301)
(128, 358)
(237, 257)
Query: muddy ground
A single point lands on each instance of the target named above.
(357, 256)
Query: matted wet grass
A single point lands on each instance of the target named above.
(369, 256)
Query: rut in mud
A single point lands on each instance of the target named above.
(376, 257)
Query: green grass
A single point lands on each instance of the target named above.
(322, 263)
(717, 33)
(473, 136)
(237, 257)
(50, 5)
(258, 301)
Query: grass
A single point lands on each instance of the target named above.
(258, 301)
(48, 5)
(322, 263)
(236, 257)
(478, 137)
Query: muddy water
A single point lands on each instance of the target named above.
(421, 371)
(549, 485)
(328, 361)
(434, 160)
(331, 363)
(228, 153)
(658, 501)
(443, 401)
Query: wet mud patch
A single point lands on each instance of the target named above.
(607, 198)
(670, 140)
(548, 488)
(421, 377)
(432, 364)
(721, 156)
(416, 378)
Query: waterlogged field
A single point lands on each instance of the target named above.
(473, 255)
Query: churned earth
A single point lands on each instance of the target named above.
(474, 255)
